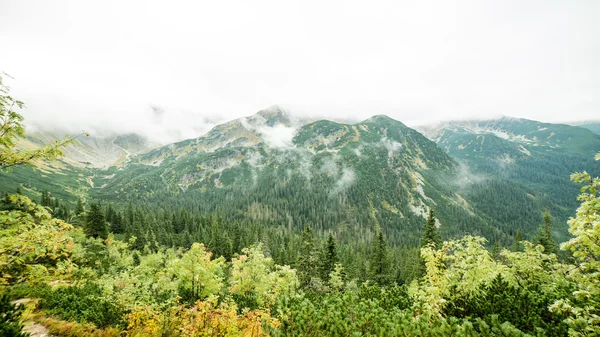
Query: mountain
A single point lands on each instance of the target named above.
(275, 169)
(272, 168)
(594, 127)
(490, 178)
(71, 176)
(537, 158)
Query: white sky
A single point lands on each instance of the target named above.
(100, 65)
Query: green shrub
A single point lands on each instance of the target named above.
(83, 304)
(25, 290)
(525, 308)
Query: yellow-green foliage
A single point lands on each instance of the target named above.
(195, 271)
(34, 247)
(253, 274)
(205, 318)
(584, 317)
(464, 264)
(461, 267)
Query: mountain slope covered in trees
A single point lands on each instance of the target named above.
(530, 160)
(491, 178)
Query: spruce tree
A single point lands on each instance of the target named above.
(329, 257)
(113, 219)
(431, 236)
(496, 250)
(306, 263)
(129, 218)
(95, 223)
(517, 245)
(544, 237)
(45, 199)
(379, 264)
(79, 208)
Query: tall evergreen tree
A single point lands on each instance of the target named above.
(496, 250)
(220, 244)
(379, 264)
(113, 220)
(544, 237)
(45, 199)
(306, 263)
(430, 232)
(129, 218)
(329, 257)
(517, 245)
(95, 223)
(79, 208)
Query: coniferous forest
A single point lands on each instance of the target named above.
(169, 263)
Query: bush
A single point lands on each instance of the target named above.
(388, 297)
(525, 308)
(25, 290)
(83, 304)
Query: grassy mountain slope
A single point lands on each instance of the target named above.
(72, 176)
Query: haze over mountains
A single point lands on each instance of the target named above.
(483, 177)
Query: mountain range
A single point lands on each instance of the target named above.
(486, 177)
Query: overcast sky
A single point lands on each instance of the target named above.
(173, 69)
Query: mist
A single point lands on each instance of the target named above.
(171, 71)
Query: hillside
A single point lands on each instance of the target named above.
(594, 127)
(71, 176)
(349, 177)
(482, 177)
(536, 158)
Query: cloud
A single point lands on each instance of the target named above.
(278, 136)
(207, 62)
(346, 180)
(464, 178)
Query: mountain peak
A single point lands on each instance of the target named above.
(274, 115)
(383, 120)
(378, 118)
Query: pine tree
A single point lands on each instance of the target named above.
(329, 257)
(45, 199)
(544, 237)
(431, 236)
(220, 244)
(379, 264)
(306, 263)
(496, 250)
(113, 219)
(236, 243)
(517, 245)
(95, 223)
(128, 218)
(79, 208)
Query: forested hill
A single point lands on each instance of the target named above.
(490, 178)
(520, 157)
(592, 126)
(271, 169)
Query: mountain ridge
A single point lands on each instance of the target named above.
(374, 173)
